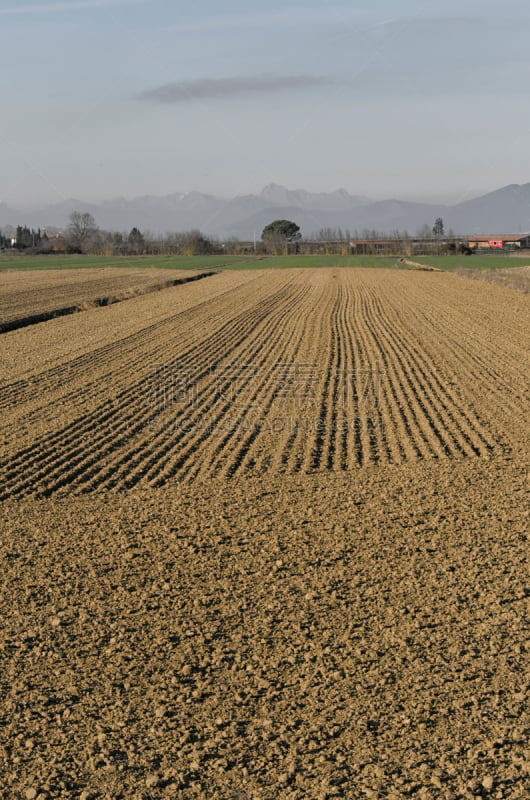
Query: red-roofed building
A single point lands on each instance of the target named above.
(498, 242)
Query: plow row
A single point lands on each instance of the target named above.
(292, 371)
(36, 296)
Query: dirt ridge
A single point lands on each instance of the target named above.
(417, 265)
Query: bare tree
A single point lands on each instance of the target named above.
(82, 232)
(425, 232)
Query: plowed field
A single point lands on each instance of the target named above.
(290, 372)
(32, 295)
(266, 537)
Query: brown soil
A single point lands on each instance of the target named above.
(300, 573)
(68, 338)
(33, 296)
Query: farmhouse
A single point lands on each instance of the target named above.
(499, 242)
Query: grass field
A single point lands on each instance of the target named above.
(195, 262)
(265, 537)
(451, 263)
(95, 262)
(448, 263)
(317, 261)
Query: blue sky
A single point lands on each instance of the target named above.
(106, 98)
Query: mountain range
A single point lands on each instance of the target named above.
(506, 210)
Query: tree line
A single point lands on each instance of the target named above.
(24, 238)
(84, 236)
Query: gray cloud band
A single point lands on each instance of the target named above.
(183, 91)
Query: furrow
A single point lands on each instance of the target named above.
(216, 457)
(366, 367)
(467, 431)
(126, 411)
(144, 458)
(292, 446)
(22, 390)
(418, 441)
(316, 451)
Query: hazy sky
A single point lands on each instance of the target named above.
(102, 98)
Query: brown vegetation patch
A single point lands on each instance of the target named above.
(512, 278)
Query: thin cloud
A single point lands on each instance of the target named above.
(293, 17)
(67, 5)
(209, 88)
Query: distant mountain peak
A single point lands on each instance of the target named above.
(272, 187)
(507, 208)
